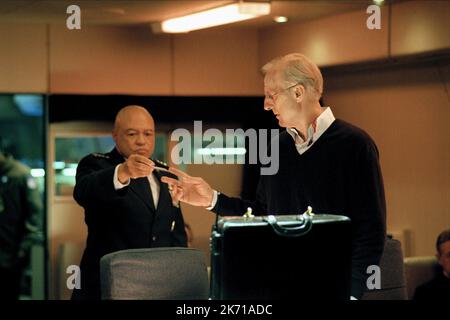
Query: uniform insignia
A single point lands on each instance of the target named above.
(100, 155)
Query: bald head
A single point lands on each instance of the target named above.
(126, 115)
(134, 131)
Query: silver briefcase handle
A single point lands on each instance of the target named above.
(302, 229)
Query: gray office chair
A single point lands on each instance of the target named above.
(419, 270)
(393, 283)
(156, 273)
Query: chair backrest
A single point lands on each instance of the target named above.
(419, 270)
(155, 273)
(393, 284)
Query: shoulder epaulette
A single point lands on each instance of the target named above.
(100, 155)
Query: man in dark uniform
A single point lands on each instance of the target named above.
(125, 204)
(20, 223)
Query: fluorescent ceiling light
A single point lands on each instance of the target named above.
(214, 17)
(37, 173)
(280, 19)
(59, 165)
(69, 172)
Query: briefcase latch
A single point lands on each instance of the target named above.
(309, 211)
(248, 214)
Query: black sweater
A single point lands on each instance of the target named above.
(339, 174)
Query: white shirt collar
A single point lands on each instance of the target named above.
(323, 122)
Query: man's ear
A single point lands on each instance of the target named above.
(114, 135)
(438, 257)
(299, 93)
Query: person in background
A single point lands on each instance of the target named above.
(438, 289)
(21, 211)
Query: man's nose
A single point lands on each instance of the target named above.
(267, 105)
(140, 139)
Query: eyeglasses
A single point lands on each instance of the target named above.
(272, 96)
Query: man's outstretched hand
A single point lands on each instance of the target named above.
(191, 190)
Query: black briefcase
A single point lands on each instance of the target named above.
(281, 257)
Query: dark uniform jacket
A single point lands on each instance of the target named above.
(20, 212)
(122, 219)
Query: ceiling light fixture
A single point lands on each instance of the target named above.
(214, 17)
(280, 19)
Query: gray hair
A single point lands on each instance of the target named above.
(297, 68)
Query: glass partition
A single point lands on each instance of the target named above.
(22, 190)
(69, 150)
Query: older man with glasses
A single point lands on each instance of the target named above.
(325, 163)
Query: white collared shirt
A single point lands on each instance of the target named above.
(322, 123)
(154, 185)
